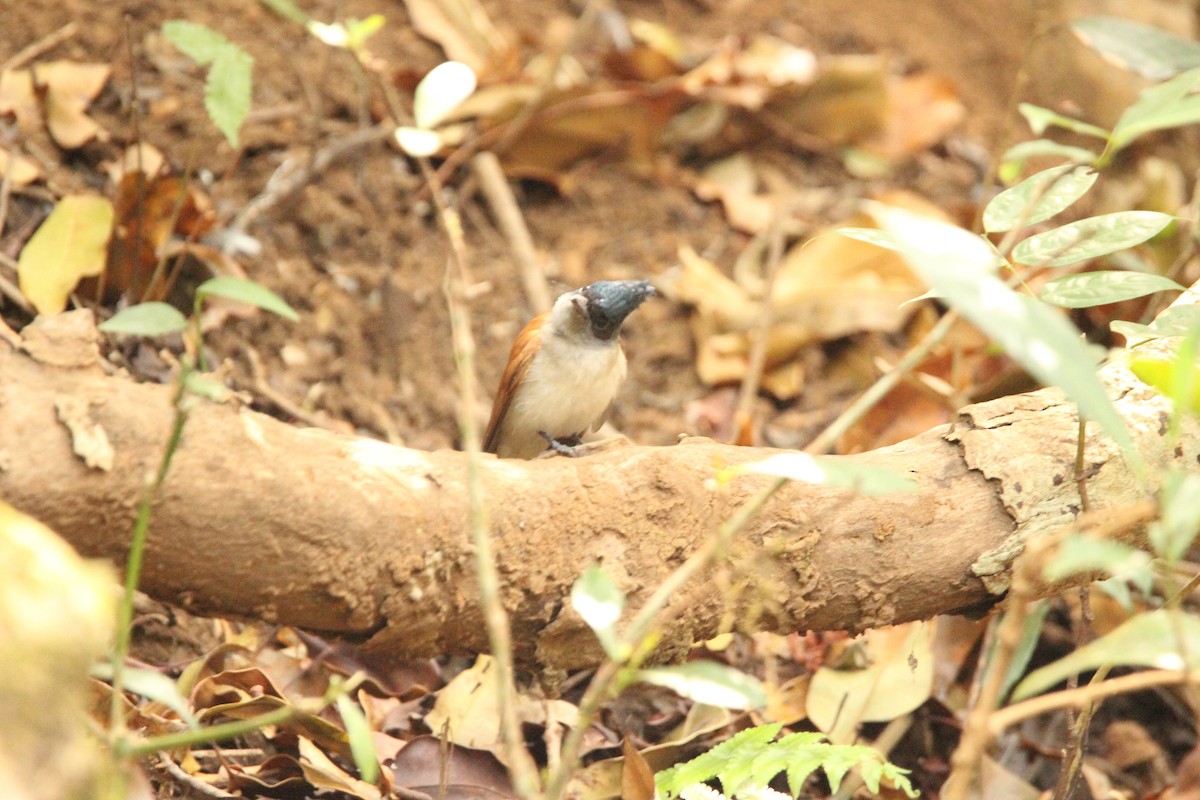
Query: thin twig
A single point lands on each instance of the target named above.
(292, 174)
(829, 437)
(1006, 717)
(520, 763)
(743, 417)
(1068, 776)
(6, 187)
(42, 45)
(179, 775)
(260, 387)
(508, 216)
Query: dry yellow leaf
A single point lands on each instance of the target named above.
(68, 246)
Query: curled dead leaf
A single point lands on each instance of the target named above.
(70, 87)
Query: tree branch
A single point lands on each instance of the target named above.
(370, 541)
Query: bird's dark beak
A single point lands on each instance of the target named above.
(610, 302)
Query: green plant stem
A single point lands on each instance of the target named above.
(639, 627)
(137, 551)
(214, 733)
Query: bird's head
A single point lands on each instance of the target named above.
(596, 311)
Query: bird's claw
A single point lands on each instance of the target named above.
(565, 446)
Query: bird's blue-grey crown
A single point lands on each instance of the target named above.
(610, 302)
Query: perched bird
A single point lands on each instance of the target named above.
(563, 372)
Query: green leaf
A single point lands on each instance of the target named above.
(1038, 197)
(1040, 119)
(227, 88)
(1147, 640)
(145, 319)
(358, 31)
(1090, 238)
(1013, 161)
(71, 244)
(203, 386)
(199, 43)
(959, 264)
(1175, 377)
(597, 599)
(829, 471)
(227, 92)
(362, 746)
(1168, 105)
(1089, 289)
(1173, 533)
(1177, 321)
(246, 291)
(1031, 634)
(150, 684)
(1148, 51)
(1079, 554)
(708, 765)
(710, 683)
(798, 752)
(870, 236)
(287, 9)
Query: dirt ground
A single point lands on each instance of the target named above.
(359, 253)
(363, 261)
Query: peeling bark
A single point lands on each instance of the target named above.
(369, 541)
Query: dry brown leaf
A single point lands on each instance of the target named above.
(922, 109)
(637, 779)
(467, 709)
(897, 679)
(579, 123)
(734, 181)
(18, 98)
(996, 781)
(321, 772)
(24, 171)
(279, 775)
(423, 763)
(828, 287)
(749, 76)
(846, 103)
(463, 29)
(787, 703)
(69, 89)
(149, 212)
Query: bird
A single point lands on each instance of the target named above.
(563, 372)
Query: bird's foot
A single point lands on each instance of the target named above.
(566, 446)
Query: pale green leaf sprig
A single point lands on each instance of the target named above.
(158, 319)
(228, 85)
(746, 763)
(350, 35)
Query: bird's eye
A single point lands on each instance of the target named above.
(602, 326)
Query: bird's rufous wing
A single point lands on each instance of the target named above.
(524, 349)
